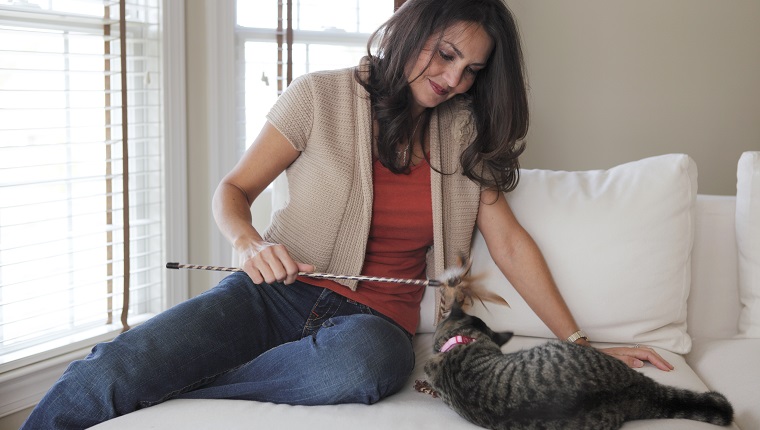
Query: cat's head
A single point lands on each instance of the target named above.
(459, 323)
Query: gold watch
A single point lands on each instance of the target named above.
(580, 334)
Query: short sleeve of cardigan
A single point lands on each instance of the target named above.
(293, 113)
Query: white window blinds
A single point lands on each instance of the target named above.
(80, 171)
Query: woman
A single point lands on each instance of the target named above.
(390, 165)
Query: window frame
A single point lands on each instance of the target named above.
(23, 384)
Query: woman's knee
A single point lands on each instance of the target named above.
(376, 356)
(100, 381)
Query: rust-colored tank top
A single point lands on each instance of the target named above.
(400, 234)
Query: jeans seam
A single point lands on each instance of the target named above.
(187, 388)
(310, 325)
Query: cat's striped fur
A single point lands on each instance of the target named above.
(557, 385)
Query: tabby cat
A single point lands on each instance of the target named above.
(558, 385)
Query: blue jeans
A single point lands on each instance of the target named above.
(295, 344)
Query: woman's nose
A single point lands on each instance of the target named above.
(452, 77)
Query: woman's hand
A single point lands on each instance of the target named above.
(271, 262)
(636, 356)
(267, 157)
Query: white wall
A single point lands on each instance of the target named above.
(617, 80)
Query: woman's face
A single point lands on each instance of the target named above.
(453, 65)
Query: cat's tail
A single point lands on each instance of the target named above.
(710, 407)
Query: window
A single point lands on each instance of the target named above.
(325, 35)
(81, 172)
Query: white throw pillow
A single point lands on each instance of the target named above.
(618, 243)
(748, 241)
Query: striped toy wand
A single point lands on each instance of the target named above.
(425, 282)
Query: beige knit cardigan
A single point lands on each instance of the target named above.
(327, 117)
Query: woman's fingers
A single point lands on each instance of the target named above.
(271, 262)
(636, 356)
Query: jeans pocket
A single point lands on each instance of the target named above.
(327, 305)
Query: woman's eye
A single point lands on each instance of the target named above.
(445, 56)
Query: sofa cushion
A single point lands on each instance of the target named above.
(407, 409)
(748, 241)
(713, 303)
(618, 243)
(730, 367)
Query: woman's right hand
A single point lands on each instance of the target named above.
(271, 262)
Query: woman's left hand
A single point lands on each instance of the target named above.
(636, 356)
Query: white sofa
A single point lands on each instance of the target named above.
(639, 257)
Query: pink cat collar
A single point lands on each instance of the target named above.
(456, 340)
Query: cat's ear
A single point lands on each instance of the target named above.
(456, 311)
(502, 337)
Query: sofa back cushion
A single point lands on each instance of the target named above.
(618, 243)
(714, 296)
(748, 242)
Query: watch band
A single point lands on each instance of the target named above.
(580, 334)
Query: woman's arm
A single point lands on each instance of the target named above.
(519, 259)
(265, 159)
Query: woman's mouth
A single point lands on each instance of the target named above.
(438, 89)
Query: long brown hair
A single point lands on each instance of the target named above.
(498, 97)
